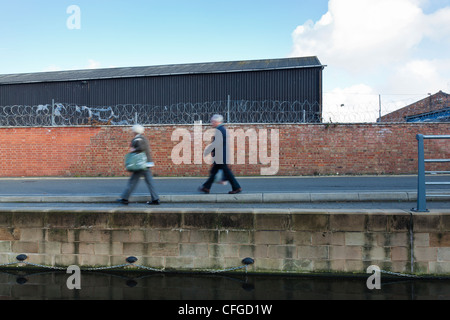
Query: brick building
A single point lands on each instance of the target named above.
(435, 108)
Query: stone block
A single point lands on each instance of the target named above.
(224, 250)
(179, 263)
(207, 263)
(57, 234)
(134, 249)
(94, 260)
(164, 220)
(28, 219)
(296, 237)
(10, 234)
(135, 220)
(151, 235)
(439, 239)
(174, 236)
(50, 248)
(376, 254)
(348, 222)
(120, 236)
(273, 221)
(194, 250)
(377, 222)
(230, 220)
(6, 219)
(443, 254)
(163, 249)
(310, 222)
(425, 254)
(399, 223)
(282, 252)
(345, 253)
(203, 236)
(92, 235)
(97, 220)
(445, 221)
(439, 267)
(66, 220)
(267, 237)
(234, 237)
(5, 246)
(355, 239)
(68, 260)
(426, 222)
(69, 248)
(253, 251)
(328, 238)
(200, 220)
(25, 247)
(313, 252)
(421, 239)
(86, 248)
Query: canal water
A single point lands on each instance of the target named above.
(51, 285)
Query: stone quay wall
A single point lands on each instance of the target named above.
(279, 240)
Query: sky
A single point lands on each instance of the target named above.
(380, 55)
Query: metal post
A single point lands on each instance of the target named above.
(379, 108)
(53, 112)
(421, 187)
(228, 108)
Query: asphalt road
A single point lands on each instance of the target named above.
(112, 187)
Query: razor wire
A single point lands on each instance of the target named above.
(234, 111)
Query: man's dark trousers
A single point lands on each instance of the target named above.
(227, 175)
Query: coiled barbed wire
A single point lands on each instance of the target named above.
(237, 111)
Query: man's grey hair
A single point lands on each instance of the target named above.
(217, 117)
(137, 128)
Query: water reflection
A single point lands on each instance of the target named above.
(50, 285)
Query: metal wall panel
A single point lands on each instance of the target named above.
(301, 84)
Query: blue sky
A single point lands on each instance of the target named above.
(396, 48)
(145, 32)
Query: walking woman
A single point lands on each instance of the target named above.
(140, 144)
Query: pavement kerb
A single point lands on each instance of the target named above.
(227, 198)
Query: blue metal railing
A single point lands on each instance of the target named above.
(421, 182)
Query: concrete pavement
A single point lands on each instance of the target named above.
(256, 190)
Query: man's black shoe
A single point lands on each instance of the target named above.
(154, 202)
(122, 201)
(235, 191)
(203, 189)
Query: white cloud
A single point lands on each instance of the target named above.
(357, 103)
(93, 64)
(378, 46)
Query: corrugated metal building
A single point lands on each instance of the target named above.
(287, 80)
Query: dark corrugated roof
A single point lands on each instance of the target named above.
(173, 69)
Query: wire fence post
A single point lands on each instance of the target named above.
(228, 108)
(421, 187)
(53, 113)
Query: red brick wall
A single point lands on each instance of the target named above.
(304, 150)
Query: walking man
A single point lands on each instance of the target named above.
(218, 150)
(141, 144)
